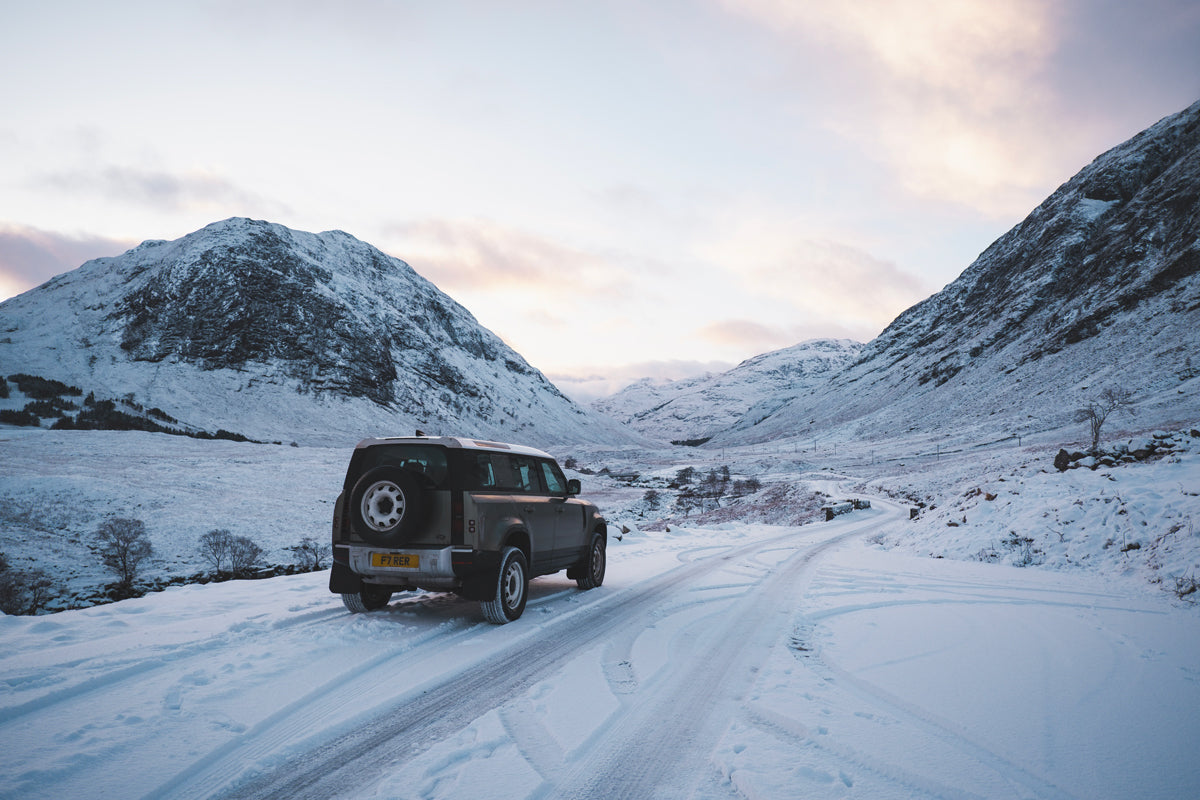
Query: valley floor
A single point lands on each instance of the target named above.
(749, 661)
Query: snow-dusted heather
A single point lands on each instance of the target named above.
(1140, 519)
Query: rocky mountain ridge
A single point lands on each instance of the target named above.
(1098, 286)
(276, 333)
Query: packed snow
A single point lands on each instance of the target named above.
(870, 656)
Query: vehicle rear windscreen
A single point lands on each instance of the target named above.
(424, 459)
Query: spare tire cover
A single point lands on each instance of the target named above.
(388, 505)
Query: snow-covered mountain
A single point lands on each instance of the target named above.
(694, 409)
(1098, 286)
(274, 333)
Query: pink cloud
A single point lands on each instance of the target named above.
(30, 257)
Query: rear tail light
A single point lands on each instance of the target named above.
(339, 520)
(456, 517)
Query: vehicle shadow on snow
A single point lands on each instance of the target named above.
(545, 593)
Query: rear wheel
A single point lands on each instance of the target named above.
(590, 573)
(369, 598)
(512, 587)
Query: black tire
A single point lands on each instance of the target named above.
(512, 588)
(387, 506)
(369, 598)
(590, 573)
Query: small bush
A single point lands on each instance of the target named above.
(22, 591)
(243, 554)
(310, 554)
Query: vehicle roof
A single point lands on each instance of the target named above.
(456, 442)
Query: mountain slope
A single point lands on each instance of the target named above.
(696, 408)
(276, 333)
(1097, 286)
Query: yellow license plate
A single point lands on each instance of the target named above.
(400, 560)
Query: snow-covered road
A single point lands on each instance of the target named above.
(739, 661)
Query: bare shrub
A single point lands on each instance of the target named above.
(23, 591)
(310, 554)
(243, 554)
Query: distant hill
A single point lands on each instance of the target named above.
(694, 409)
(254, 328)
(1098, 286)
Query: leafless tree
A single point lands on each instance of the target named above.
(124, 546)
(215, 546)
(1097, 411)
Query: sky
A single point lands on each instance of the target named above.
(618, 189)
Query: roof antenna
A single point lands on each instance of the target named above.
(420, 433)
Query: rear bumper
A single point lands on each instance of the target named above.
(438, 569)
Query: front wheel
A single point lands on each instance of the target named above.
(369, 598)
(512, 587)
(590, 573)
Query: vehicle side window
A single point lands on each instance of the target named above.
(525, 476)
(555, 482)
(482, 473)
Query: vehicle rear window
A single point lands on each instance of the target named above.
(427, 460)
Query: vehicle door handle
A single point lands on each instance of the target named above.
(528, 509)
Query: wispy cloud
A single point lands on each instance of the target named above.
(744, 333)
(756, 337)
(30, 257)
(481, 255)
(162, 190)
(826, 276)
(830, 288)
(947, 93)
(588, 385)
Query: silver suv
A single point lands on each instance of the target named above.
(452, 514)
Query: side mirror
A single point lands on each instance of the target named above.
(573, 486)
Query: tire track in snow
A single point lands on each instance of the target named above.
(661, 745)
(142, 666)
(393, 733)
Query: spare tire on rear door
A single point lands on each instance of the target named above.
(388, 505)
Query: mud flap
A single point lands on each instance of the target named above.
(343, 580)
